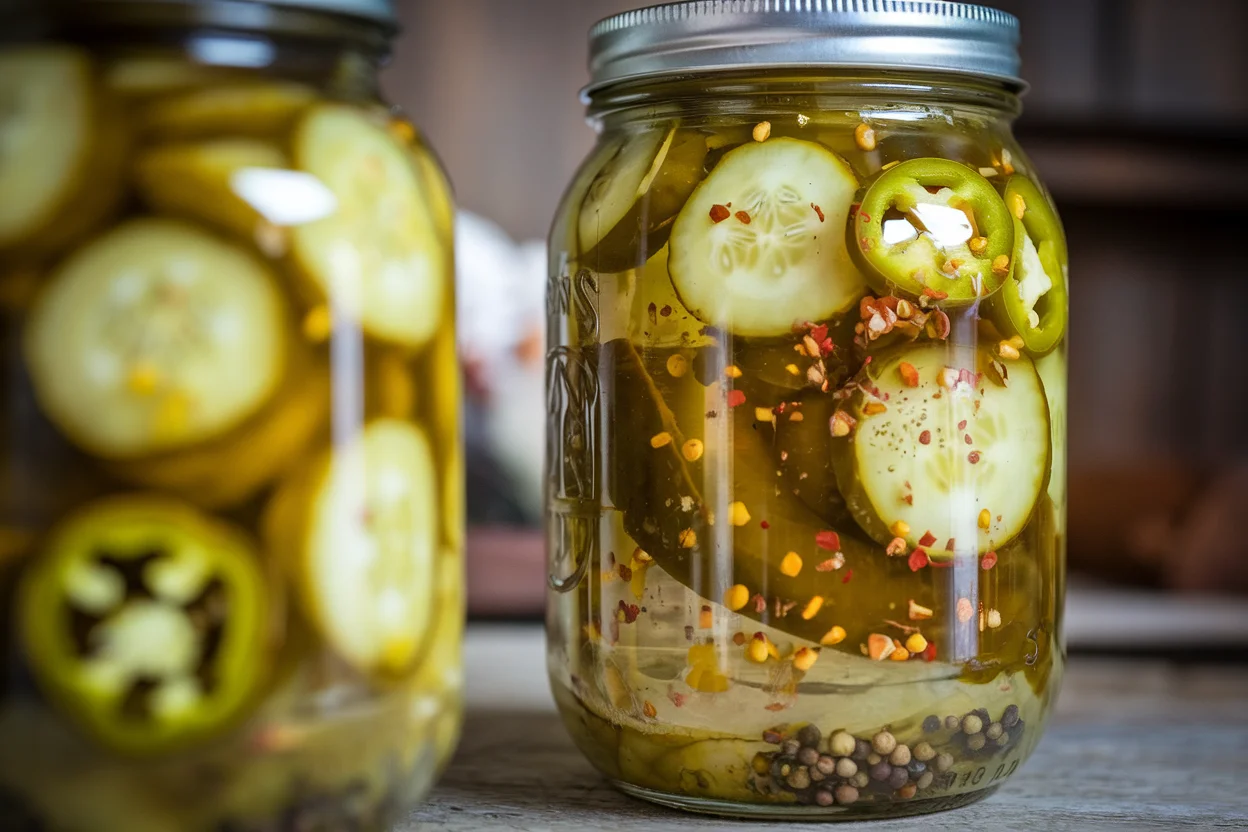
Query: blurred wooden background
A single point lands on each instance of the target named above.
(1138, 119)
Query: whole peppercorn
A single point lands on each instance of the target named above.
(952, 723)
(925, 780)
(790, 747)
(810, 735)
(799, 778)
(916, 768)
(907, 791)
(982, 713)
(944, 762)
(808, 756)
(826, 764)
(823, 797)
(883, 743)
(805, 797)
(924, 752)
(932, 723)
(971, 724)
(900, 755)
(994, 730)
(881, 771)
(846, 768)
(873, 758)
(898, 778)
(842, 744)
(862, 749)
(976, 741)
(846, 795)
(1010, 716)
(860, 780)
(1002, 741)
(782, 766)
(816, 776)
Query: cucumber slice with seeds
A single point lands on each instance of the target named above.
(760, 246)
(630, 205)
(1052, 370)
(934, 457)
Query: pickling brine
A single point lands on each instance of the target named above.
(807, 443)
(230, 488)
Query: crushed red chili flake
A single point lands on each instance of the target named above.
(918, 559)
(951, 544)
(818, 211)
(934, 294)
(742, 217)
(627, 612)
(989, 560)
(829, 540)
(678, 698)
(736, 398)
(925, 438)
(973, 457)
(909, 374)
(962, 425)
(776, 706)
(819, 333)
(865, 217)
(849, 573)
(719, 213)
(764, 525)
(927, 539)
(966, 438)
(773, 736)
(929, 655)
(829, 565)
(760, 603)
(625, 572)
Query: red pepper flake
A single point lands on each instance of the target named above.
(760, 603)
(989, 560)
(966, 438)
(627, 612)
(625, 573)
(849, 573)
(962, 425)
(929, 655)
(925, 438)
(649, 710)
(865, 217)
(951, 544)
(918, 559)
(736, 398)
(819, 333)
(927, 539)
(776, 706)
(909, 374)
(829, 540)
(934, 294)
(764, 525)
(973, 457)
(719, 213)
(908, 499)
(829, 565)
(853, 208)
(665, 311)
(678, 698)
(818, 211)
(826, 345)
(742, 217)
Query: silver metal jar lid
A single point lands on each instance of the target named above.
(701, 35)
(379, 11)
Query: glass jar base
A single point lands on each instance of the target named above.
(793, 811)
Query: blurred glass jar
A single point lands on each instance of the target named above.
(230, 474)
(807, 425)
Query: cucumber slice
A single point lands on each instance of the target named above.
(784, 259)
(241, 110)
(196, 181)
(935, 457)
(155, 337)
(1052, 370)
(628, 210)
(379, 256)
(360, 536)
(46, 136)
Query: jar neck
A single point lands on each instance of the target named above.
(332, 52)
(737, 93)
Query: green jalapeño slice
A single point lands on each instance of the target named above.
(145, 621)
(934, 230)
(1032, 303)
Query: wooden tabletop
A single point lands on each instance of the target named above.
(1136, 744)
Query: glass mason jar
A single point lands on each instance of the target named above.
(807, 392)
(230, 479)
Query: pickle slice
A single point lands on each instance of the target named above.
(47, 132)
(147, 623)
(154, 337)
(1052, 370)
(378, 256)
(936, 454)
(760, 246)
(197, 180)
(237, 110)
(359, 534)
(628, 210)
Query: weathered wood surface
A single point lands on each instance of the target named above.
(1136, 744)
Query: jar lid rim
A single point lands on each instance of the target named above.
(716, 35)
(375, 11)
